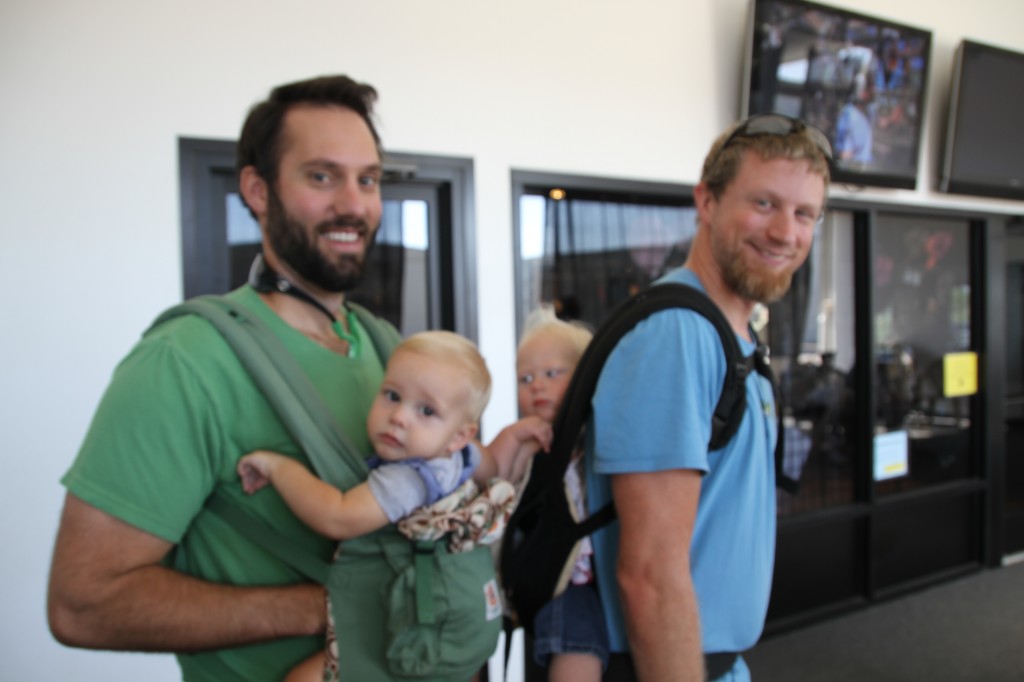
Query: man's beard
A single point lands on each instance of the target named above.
(297, 246)
(760, 286)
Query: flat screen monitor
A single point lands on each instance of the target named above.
(984, 149)
(860, 79)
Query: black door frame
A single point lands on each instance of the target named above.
(841, 542)
(207, 173)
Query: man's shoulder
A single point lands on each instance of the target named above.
(678, 332)
(669, 344)
(682, 275)
(188, 338)
(186, 318)
(187, 333)
(684, 327)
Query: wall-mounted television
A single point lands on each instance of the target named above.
(860, 79)
(984, 150)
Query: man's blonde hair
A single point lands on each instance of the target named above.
(456, 351)
(723, 160)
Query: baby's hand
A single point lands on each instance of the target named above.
(255, 470)
(535, 428)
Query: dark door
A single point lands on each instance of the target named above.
(1014, 527)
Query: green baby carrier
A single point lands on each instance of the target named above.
(402, 609)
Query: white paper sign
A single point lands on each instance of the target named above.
(891, 455)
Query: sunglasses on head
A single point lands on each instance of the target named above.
(779, 124)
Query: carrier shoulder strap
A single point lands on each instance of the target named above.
(262, 534)
(543, 500)
(764, 368)
(283, 383)
(576, 405)
(729, 410)
(297, 403)
(382, 333)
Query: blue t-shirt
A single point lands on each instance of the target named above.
(652, 412)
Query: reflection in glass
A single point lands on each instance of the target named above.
(396, 285)
(585, 255)
(921, 313)
(811, 337)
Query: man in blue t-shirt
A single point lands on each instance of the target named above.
(685, 572)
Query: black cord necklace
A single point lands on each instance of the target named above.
(264, 278)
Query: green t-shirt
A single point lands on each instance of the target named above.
(178, 414)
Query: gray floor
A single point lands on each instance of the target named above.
(967, 630)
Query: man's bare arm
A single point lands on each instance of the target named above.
(656, 515)
(108, 591)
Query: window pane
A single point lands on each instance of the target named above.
(245, 239)
(921, 310)
(811, 336)
(584, 256)
(397, 279)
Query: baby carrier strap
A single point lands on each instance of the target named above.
(284, 383)
(433, 626)
(542, 534)
(382, 334)
(298, 404)
(261, 534)
(572, 416)
(728, 412)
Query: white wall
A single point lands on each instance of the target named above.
(95, 95)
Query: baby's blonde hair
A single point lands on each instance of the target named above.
(457, 351)
(543, 320)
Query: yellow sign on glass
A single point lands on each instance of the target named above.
(960, 374)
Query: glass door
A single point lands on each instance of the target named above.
(820, 549)
(926, 467)
(811, 336)
(922, 330)
(1014, 404)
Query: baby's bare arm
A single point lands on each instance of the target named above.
(321, 506)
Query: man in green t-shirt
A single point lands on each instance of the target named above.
(138, 564)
